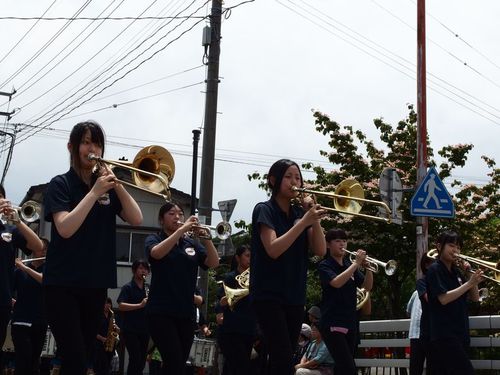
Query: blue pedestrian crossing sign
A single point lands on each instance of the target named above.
(431, 198)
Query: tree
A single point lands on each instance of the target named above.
(353, 155)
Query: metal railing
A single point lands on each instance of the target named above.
(386, 340)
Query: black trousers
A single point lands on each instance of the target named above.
(280, 325)
(341, 347)
(137, 347)
(237, 349)
(450, 357)
(74, 316)
(173, 337)
(102, 360)
(419, 352)
(28, 344)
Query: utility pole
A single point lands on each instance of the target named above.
(9, 94)
(422, 221)
(209, 129)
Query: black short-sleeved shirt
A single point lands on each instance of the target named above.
(173, 277)
(452, 319)
(282, 279)
(135, 320)
(338, 305)
(29, 306)
(7, 265)
(424, 318)
(88, 258)
(242, 318)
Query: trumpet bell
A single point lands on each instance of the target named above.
(30, 211)
(390, 267)
(223, 230)
(157, 160)
(350, 188)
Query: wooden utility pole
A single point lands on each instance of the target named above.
(209, 128)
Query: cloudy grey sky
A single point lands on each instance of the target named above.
(143, 81)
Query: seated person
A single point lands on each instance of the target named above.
(303, 344)
(316, 360)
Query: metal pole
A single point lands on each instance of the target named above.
(196, 138)
(422, 222)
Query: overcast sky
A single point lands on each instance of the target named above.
(354, 60)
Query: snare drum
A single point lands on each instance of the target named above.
(202, 353)
(8, 345)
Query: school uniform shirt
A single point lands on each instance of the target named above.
(29, 307)
(283, 279)
(135, 320)
(424, 318)
(338, 306)
(7, 262)
(241, 319)
(173, 277)
(88, 258)
(450, 320)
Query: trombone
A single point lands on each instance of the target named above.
(373, 264)
(348, 198)
(153, 169)
(480, 263)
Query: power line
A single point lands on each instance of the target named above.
(141, 18)
(94, 80)
(411, 69)
(41, 126)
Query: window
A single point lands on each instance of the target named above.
(130, 245)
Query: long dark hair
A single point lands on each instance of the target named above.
(75, 139)
(448, 236)
(278, 170)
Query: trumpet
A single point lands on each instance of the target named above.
(152, 170)
(373, 264)
(222, 230)
(480, 263)
(29, 212)
(348, 199)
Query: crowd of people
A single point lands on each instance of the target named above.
(267, 331)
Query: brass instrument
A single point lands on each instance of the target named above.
(483, 294)
(222, 230)
(153, 170)
(373, 264)
(362, 296)
(146, 286)
(235, 294)
(491, 266)
(348, 199)
(112, 335)
(29, 212)
(32, 259)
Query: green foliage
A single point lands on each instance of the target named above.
(353, 155)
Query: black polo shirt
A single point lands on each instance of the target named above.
(424, 318)
(451, 320)
(338, 305)
(283, 279)
(173, 277)
(241, 319)
(135, 320)
(7, 264)
(29, 306)
(88, 258)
